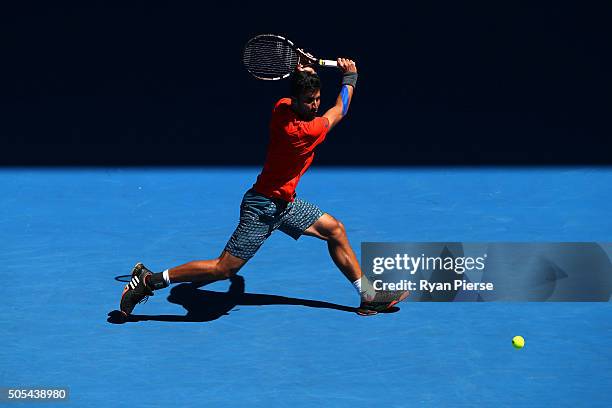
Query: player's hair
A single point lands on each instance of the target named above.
(302, 81)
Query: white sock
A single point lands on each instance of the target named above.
(368, 293)
(357, 285)
(166, 276)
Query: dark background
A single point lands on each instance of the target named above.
(96, 83)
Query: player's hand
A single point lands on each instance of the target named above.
(347, 65)
(310, 70)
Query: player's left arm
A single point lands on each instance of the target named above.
(349, 81)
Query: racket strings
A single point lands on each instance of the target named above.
(268, 58)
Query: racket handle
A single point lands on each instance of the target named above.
(328, 63)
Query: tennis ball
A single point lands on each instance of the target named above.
(518, 342)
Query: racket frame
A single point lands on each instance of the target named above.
(305, 59)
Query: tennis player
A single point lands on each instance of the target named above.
(271, 204)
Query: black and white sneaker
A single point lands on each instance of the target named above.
(136, 291)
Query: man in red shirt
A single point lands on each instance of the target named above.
(295, 132)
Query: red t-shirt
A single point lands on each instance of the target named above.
(290, 151)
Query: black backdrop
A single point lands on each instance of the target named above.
(94, 83)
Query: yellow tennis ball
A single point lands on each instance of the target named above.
(518, 342)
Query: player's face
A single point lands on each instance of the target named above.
(307, 104)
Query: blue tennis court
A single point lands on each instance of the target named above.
(285, 333)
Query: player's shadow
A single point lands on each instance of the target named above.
(206, 305)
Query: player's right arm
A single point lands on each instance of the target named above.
(349, 79)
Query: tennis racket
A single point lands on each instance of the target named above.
(271, 57)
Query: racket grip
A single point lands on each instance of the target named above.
(328, 63)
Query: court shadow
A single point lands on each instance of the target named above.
(206, 305)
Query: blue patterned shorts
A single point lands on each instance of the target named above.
(260, 216)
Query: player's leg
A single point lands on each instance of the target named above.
(331, 230)
(307, 219)
(248, 236)
(143, 282)
(223, 267)
(246, 240)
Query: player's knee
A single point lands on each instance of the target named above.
(226, 271)
(337, 231)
